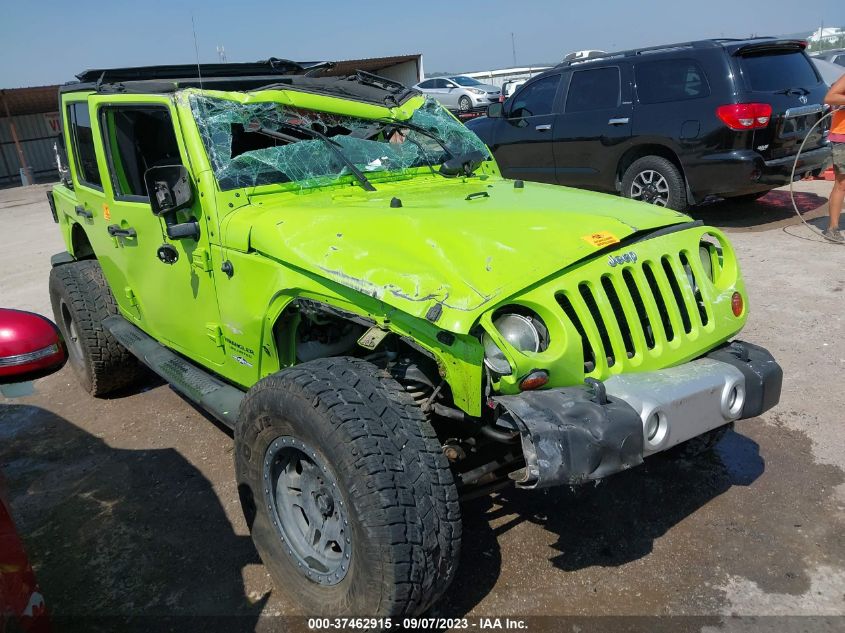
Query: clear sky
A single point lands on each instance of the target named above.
(46, 41)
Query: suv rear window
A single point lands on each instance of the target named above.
(670, 80)
(777, 71)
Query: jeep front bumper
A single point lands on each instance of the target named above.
(577, 434)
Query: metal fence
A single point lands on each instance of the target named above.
(37, 133)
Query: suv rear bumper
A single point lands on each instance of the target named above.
(741, 172)
(574, 434)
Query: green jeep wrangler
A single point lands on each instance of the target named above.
(334, 268)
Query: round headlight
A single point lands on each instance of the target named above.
(519, 331)
(706, 260)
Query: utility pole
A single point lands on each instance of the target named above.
(513, 48)
(221, 53)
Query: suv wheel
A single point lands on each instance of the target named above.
(655, 180)
(81, 299)
(345, 488)
(464, 104)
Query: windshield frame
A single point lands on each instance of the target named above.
(423, 163)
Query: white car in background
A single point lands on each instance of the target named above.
(458, 92)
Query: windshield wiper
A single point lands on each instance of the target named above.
(418, 129)
(255, 126)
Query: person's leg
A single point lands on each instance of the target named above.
(836, 197)
(837, 194)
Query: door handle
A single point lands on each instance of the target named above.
(543, 128)
(115, 231)
(83, 212)
(620, 121)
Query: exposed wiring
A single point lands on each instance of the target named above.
(812, 228)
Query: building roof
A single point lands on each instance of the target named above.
(34, 100)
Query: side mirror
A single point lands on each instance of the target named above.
(169, 187)
(30, 346)
(495, 110)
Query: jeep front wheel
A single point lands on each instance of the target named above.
(81, 299)
(349, 499)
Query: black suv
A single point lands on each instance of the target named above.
(671, 125)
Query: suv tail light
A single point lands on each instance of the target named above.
(745, 116)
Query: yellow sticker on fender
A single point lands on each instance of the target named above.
(600, 239)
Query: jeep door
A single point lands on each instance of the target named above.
(174, 302)
(523, 138)
(90, 211)
(594, 127)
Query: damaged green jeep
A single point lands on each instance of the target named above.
(334, 268)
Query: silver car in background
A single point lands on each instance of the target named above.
(457, 92)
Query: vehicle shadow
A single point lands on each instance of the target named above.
(608, 525)
(771, 211)
(115, 544)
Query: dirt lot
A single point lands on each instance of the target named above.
(128, 506)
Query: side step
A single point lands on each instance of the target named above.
(212, 394)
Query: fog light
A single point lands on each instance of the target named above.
(732, 396)
(652, 426)
(534, 380)
(737, 304)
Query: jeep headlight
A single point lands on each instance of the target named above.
(706, 260)
(523, 333)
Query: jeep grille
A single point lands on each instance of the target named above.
(634, 309)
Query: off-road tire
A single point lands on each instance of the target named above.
(464, 104)
(80, 296)
(676, 187)
(391, 474)
(699, 445)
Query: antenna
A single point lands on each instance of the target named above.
(196, 49)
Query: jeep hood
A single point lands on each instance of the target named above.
(464, 244)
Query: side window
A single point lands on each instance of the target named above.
(440, 83)
(536, 98)
(839, 59)
(137, 138)
(427, 84)
(596, 89)
(82, 139)
(670, 80)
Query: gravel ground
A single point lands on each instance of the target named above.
(128, 505)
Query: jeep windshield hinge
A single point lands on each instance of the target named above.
(201, 260)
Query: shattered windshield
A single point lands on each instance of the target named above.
(251, 144)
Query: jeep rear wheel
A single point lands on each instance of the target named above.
(655, 180)
(81, 299)
(348, 496)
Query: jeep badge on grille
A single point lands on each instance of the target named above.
(626, 258)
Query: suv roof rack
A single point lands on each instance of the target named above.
(724, 42)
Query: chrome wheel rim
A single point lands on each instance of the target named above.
(307, 510)
(464, 104)
(650, 186)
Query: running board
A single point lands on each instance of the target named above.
(220, 399)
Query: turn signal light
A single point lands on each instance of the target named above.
(745, 116)
(534, 380)
(737, 304)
